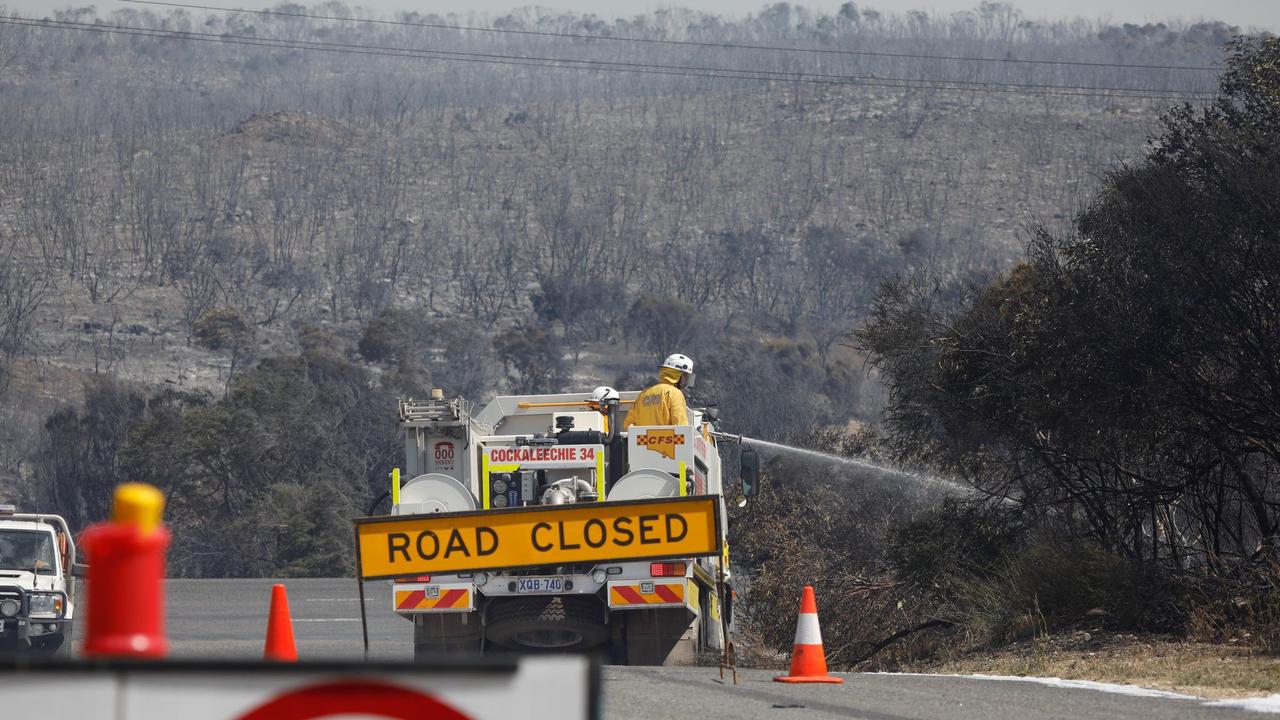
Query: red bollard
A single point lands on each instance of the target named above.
(125, 585)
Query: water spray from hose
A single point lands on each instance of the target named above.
(874, 467)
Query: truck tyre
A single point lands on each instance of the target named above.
(553, 623)
(452, 634)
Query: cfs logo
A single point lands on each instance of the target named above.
(663, 442)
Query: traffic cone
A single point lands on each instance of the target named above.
(280, 645)
(808, 661)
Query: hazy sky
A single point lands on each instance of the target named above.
(1264, 14)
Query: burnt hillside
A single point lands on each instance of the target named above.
(183, 195)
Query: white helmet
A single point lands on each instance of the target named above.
(676, 361)
(603, 394)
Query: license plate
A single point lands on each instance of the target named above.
(539, 584)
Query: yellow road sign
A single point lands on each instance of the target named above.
(401, 545)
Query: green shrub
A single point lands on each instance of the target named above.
(1051, 586)
(956, 539)
(1244, 609)
(223, 328)
(386, 336)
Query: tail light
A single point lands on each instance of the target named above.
(675, 569)
(420, 578)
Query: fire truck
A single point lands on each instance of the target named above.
(568, 450)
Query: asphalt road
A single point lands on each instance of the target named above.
(638, 693)
(227, 619)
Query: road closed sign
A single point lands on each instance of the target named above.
(397, 546)
(551, 688)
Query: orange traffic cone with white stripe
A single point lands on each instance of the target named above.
(808, 660)
(280, 645)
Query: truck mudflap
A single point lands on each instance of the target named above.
(641, 594)
(433, 598)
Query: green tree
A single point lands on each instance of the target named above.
(453, 354)
(533, 357)
(1123, 378)
(662, 325)
(76, 467)
(265, 481)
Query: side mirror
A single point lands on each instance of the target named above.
(711, 413)
(749, 462)
(79, 570)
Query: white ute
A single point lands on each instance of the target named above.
(37, 587)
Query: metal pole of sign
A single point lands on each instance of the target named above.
(364, 617)
(728, 659)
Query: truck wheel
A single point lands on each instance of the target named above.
(562, 622)
(453, 634)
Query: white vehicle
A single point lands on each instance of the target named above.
(521, 451)
(37, 587)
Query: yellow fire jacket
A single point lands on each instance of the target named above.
(660, 404)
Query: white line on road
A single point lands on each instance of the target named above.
(331, 600)
(1268, 704)
(1114, 688)
(298, 620)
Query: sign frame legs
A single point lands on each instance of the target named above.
(364, 615)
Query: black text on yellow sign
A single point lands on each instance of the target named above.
(396, 546)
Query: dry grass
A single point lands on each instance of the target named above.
(1208, 670)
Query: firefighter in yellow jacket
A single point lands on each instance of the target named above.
(662, 403)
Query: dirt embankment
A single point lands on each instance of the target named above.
(1203, 669)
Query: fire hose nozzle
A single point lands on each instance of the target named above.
(726, 437)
